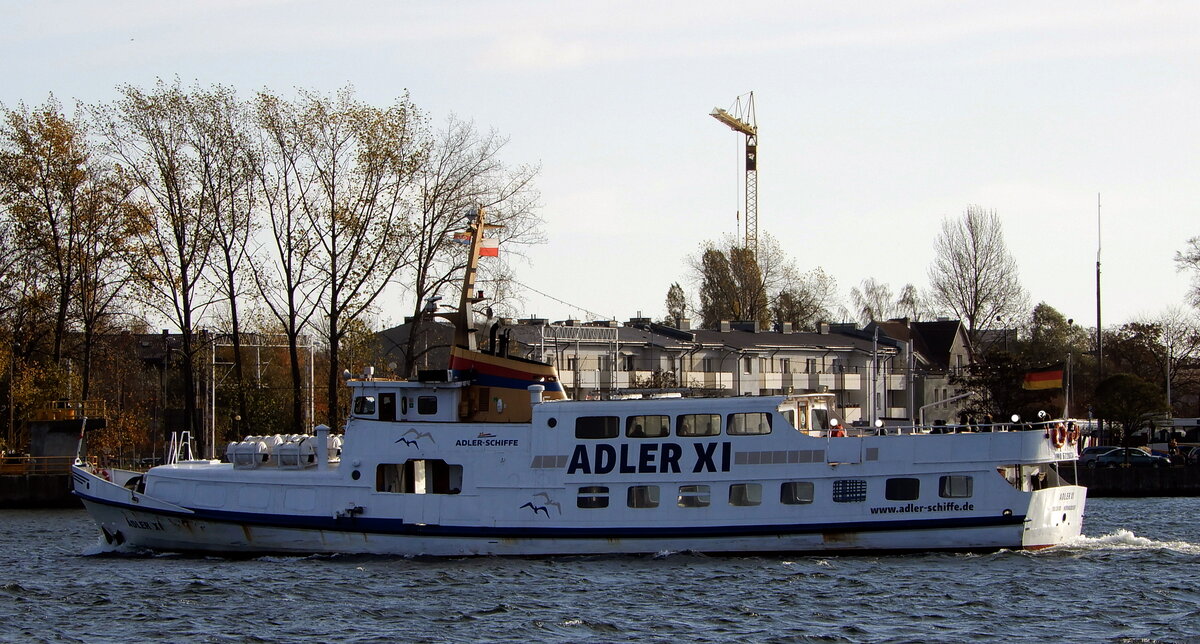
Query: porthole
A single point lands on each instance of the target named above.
(551, 422)
(355, 475)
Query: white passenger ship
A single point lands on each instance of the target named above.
(489, 458)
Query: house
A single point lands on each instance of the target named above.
(941, 349)
(872, 375)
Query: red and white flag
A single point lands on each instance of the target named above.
(489, 247)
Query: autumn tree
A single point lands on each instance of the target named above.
(735, 284)
(1128, 400)
(676, 305)
(973, 275)
(1160, 350)
(44, 166)
(70, 210)
(995, 381)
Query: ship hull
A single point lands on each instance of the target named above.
(127, 518)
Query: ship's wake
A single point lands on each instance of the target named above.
(1125, 540)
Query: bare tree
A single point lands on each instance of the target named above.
(217, 131)
(107, 261)
(973, 275)
(286, 274)
(358, 164)
(872, 301)
(462, 172)
(1189, 260)
(810, 300)
(155, 142)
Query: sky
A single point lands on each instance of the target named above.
(877, 120)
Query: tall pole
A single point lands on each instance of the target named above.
(1099, 326)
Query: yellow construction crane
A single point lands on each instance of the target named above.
(742, 120)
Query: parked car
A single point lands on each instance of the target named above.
(1190, 455)
(1089, 454)
(1136, 458)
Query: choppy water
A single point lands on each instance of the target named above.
(1132, 577)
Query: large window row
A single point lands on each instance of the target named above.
(790, 493)
(686, 425)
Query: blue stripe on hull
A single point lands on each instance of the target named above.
(485, 380)
(399, 527)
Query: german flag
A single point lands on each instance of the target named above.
(1048, 378)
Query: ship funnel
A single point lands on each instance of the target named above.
(535, 394)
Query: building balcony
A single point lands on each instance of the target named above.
(707, 379)
(818, 380)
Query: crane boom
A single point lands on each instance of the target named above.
(743, 121)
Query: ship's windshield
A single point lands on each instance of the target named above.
(820, 418)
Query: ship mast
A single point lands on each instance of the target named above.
(464, 327)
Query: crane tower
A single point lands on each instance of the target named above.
(741, 119)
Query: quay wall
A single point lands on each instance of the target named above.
(1136, 481)
(37, 491)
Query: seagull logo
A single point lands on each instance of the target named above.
(417, 437)
(536, 508)
(543, 508)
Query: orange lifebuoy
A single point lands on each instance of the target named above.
(103, 473)
(1058, 435)
(1073, 435)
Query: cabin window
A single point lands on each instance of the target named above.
(796, 492)
(755, 423)
(387, 406)
(592, 497)
(785, 365)
(747, 364)
(419, 476)
(364, 405)
(647, 426)
(955, 487)
(849, 490)
(426, 405)
(597, 427)
(745, 494)
(902, 489)
(643, 496)
(694, 496)
(790, 415)
(572, 363)
(627, 363)
(698, 425)
(484, 398)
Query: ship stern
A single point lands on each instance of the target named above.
(1055, 516)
